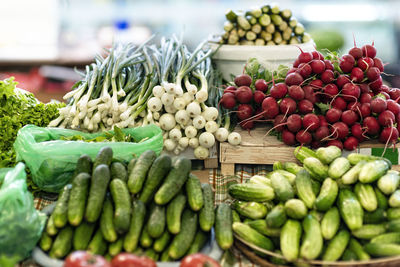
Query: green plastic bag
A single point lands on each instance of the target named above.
(21, 225)
(53, 161)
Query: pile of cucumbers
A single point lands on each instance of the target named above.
(332, 208)
(268, 25)
(153, 206)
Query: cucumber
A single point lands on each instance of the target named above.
(394, 200)
(84, 164)
(368, 231)
(45, 242)
(198, 243)
(176, 178)
(156, 221)
(290, 239)
(194, 193)
(366, 196)
(327, 195)
(131, 164)
(387, 238)
(223, 226)
(251, 236)
(330, 223)
(349, 255)
(165, 256)
(107, 222)
(151, 254)
(355, 158)
(174, 213)
(350, 209)
(235, 216)
(276, 217)
(82, 235)
(133, 236)
(262, 227)
(139, 172)
(115, 248)
(207, 213)
(312, 242)
(302, 152)
(328, 154)
(393, 213)
(277, 165)
(336, 246)
(104, 156)
(382, 250)
(98, 244)
(373, 170)
(260, 180)
(158, 170)
(338, 167)
(317, 215)
(382, 200)
(51, 229)
(282, 187)
(351, 176)
(97, 193)
(292, 167)
(393, 226)
(251, 192)
(304, 188)
(62, 243)
(389, 182)
(377, 216)
(118, 171)
(161, 243)
(123, 207)
(252, 210)
(357, 248)
(77, 198)
(296, 209)
(316, 187)
(182, 241)
(316, 168)
(145, 239)
(60, 213)
(288, 175)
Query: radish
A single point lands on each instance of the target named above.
(294, 79)
(288, 138)
(364, 88)
(378, 105)
(242, 80)
(316, 84)
(369, 51)
(327, 76)
(357, 75)
(350, 143)
(304, 70)
(287, 106)
(386, 118)
(333, 115)
(228, 100)
(365, 98)
(258, 97)
(337, 143)
(303, 137)
(371, 125)
(386, 95)
(365, 63)
(329, 65)
(385, 88)
(247, 125)
(321, 133)
(318, 66)
(354, 106)
(244, 94)
(373, 73)
(376, 85)
(279, 122)
(357, 132)
(342, 80)
(296, 63)
(304, 57)
(261, 85)
(311, 122)
(310, 95)
(339, 103)
(317, 55)
(365, 110)
(230, 89)
(294, 123)
(346, 63)
(350, 92)
(279, 90)
(322, 120)
(331, 89)
(305, 106)
(393, 106)
(292, 70)
(340, 130)
(394, 93)
(389, 134)
(349, 117)
(296, 92)
(379, 64)
(270, 108)
(356, 52)
(244, 111)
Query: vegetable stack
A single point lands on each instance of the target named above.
(332, 208)
(154, 207)
(268, 25)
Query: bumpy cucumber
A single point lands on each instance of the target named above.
(182, 241)
(98, 244)
(338, 167)
(118, 171)
(174, 211)
(330, 223)
(156, 221)
(140, 170)
(368, 231)
(313, 242)
(296, 209)
(62, 243)
(207, 213)
(60, 213)
(115, 248)
(253, 210)
(77, 198)
(357, 248)
(251, 192)
(351, 176)
(327, 195)
(389, 182)
(336, 246)
(316, 168)
(107, 222)
(290, 239)
(123, 207)
(304, 188)
(262, 227)
(45, 242)
(194, 193)
(250, 235)
(82, 235)
(104, 156)
(328, 154)
(350, 209)
(161, 243)
(276, 217)
(223, 226)
(198, 243)
(282, 187)
(373, 170)
(382, 250)
(132, 238)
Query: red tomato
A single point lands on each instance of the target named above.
(130, 260)
(85, 259)
(199, 260)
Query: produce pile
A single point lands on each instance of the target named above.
(323, 101)
(268, 25)
(332, 208)
(153, 207)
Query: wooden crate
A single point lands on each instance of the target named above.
(256, 148)
(210, 163)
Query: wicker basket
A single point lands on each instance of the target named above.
(249, 250)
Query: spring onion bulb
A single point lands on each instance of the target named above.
(167, 121)
(221, 134)
(175, 134)
(170, 109)
(158, 91)
(179, 103)
(183, 142)
(199, 122)
(194, 142)
(167, 99)
(210, 113)
(169, 144)
(234, 138)
(182, 117)
(188, 98)
(154, 104)
(201, 152)
(193, 109)
(190, 131)
(211, 126)
(206, 139)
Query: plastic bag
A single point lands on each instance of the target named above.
(53, 161)
(21, 225)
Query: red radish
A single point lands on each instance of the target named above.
(304, 70)
(318, 66)
(356, 52)
(376, 85)
(350, 92)
(350, 143)
(329, 65)
(247, 125)
(270, 108)
(342, 80)
(321, 133)
(304, 57)
(386, 118)
(296, 63)
(327, 76)
(349, 117)
(296, 92)
(394, 93)
(357, 75)
(317, 55)
(331, 89)
(279, 90)
(365, 63)
(365, 98)
(280, 119)
(378, 105)
(386, 95)
(287, 106)
(230, 89)
(337, 143)
(379, 64)
(316, 84)
(292, 70)
(303, 137)
(333, 115)
(322, 120)
(369, 51)
(245, 111)
(228, 101)
(311, 122)
(261, 85)
(357, 132)
(288, 138)
(340, 130)
(373, 73)
(294, 123)
(294, 79)
(258, 97)
(364, 88)
(393, 106)
(310, 95)
(365, 110)
(244, 94)
(385, 88)
(346, 63)
(371, 125)
(389, 134)
(339, 103)
(305, 106)
(354, 106)
(243, 80)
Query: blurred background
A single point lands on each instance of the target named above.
(42, 41)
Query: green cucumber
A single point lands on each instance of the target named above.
(355, 158)
(382, 250)
(393, 213)
(312, 242)
(174, 211)
(350, 209)
(288, 175)
(296, 209)
(327, 195)
(330, 223)
(351, 176)
(252, 210)
(251, 192)
(131, 164)
(161, 243)
(45, 242)
(316, 168)
(198, 243)
(276, 217)
(183, 240)
(366, 196)
(62, 243)
(290, 239)
(338, 167)
(262, 227)
(151, 254)
(98, 244)
(132, 238)
(387, 238)
(373, 170)
(393, 226)
(277, 166)
(223, 226)
(123, 207)
(302, 152)
(235, 216)
(156, 221)
(82, 235)
(389, 182)
(282, 187)
(84, 164)
(357, 248)
(377, 216)
(383, 203)
(77, 198)
(336, 246)
(60, 213)
(304, 188)
(51, 229)
(207, 213)
(368, 231)
(328, 154)
(194, 193)
(140, 170)
(107, 222)
(292, 167)
(260, 180)
(251, 236)
(115, 248)
(145, 239)
(118, 171)
(394, 199)
(104, 156)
